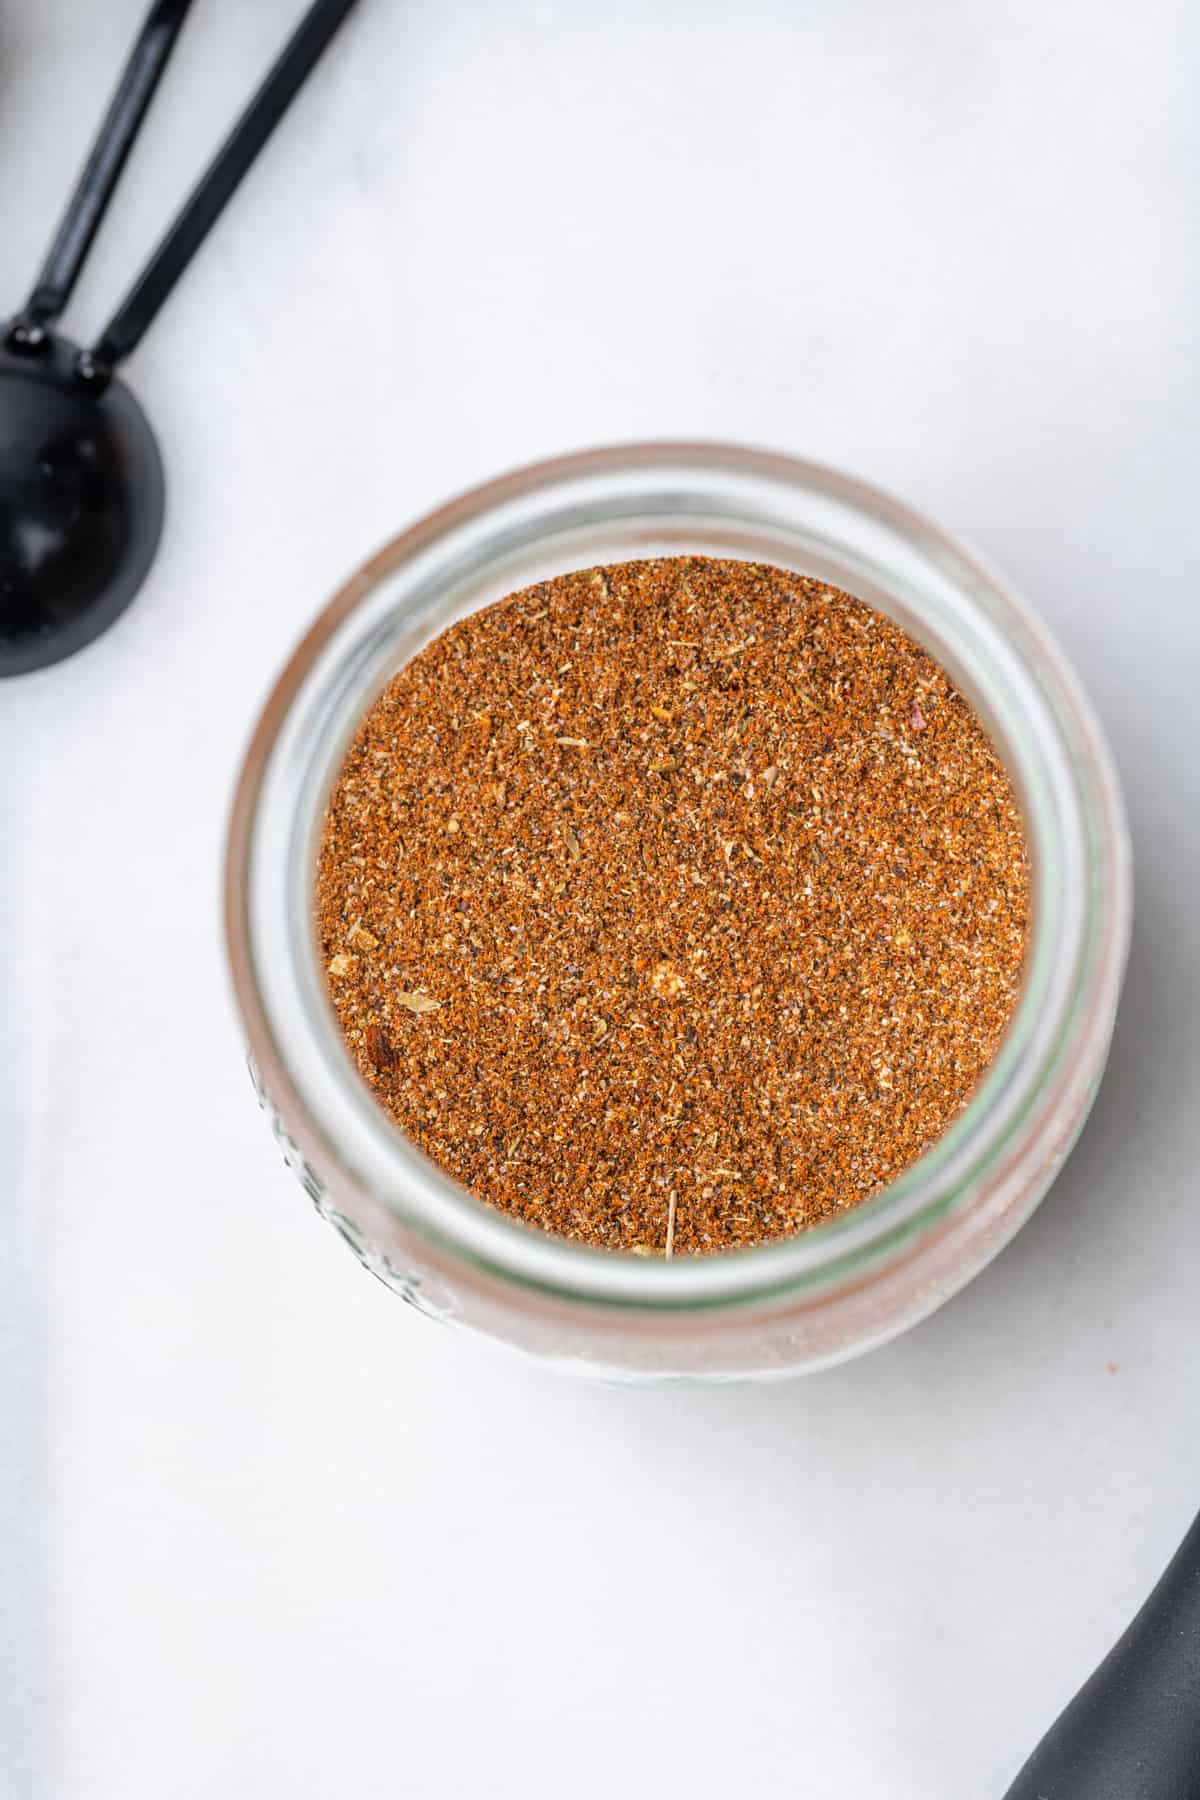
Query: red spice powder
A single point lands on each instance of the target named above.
(675, 905)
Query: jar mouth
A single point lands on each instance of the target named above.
(668, 499)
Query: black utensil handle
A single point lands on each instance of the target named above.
(1133, 1732)
(140, 307)
(106, 159)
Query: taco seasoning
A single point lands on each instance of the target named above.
(673, 906)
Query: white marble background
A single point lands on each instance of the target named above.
(262, 1531)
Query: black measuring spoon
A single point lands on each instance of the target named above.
(1132, 1732)
(81, 481)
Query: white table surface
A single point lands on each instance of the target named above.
(263, 1531)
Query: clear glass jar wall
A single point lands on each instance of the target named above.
(842, 1286)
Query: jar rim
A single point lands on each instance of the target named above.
(457, 556)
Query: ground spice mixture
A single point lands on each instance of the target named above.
(675, 905)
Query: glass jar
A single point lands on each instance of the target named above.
(841, 1286)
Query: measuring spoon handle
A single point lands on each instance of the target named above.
(1132, 1732)
(216, 186)
(98, 179)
